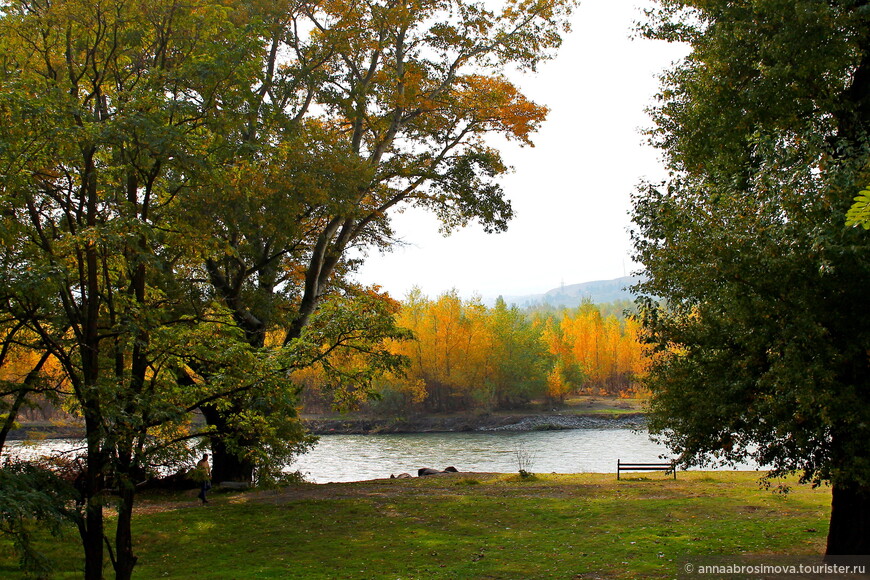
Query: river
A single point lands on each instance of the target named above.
(339, 458)
(355, 457)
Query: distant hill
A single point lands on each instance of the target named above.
(597, 292)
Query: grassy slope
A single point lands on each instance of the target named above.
(592, 405)
(469, 526)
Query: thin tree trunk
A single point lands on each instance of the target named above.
(126, 560)
(89, 348)
(10, 418)
(93, 530)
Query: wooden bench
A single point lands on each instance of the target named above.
(620, 467)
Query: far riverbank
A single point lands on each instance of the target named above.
(583, 412)
(351, 425)
(579, 412)
(355, 425)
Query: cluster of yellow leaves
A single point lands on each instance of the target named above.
(20, 361)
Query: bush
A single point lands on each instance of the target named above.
(34, 497)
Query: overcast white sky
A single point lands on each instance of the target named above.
(570, 192)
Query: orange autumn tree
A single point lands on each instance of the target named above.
(564, 376)
(342, 368)
(633, 358)
(450, 351)
(595, 341)
(465, 355)
(591, 353)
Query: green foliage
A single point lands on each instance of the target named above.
(347, 337)
(859, 213)
(519, 355)
(107, 106)
(344, 126)
(34, 498)
(754, 297)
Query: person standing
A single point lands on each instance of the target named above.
(203, 469)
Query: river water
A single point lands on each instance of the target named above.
(355, 457)
(339, 458)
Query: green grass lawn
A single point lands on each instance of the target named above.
(467, 526)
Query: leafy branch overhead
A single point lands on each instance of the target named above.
(859, 213)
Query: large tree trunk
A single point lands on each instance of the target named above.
(226, 465)
(849, 534)
(89, 348)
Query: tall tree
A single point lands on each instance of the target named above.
(104, 107)
(361, 109)
(762, 340)
(517, 355)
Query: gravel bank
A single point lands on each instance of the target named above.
(436, 424)
(423, 424)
